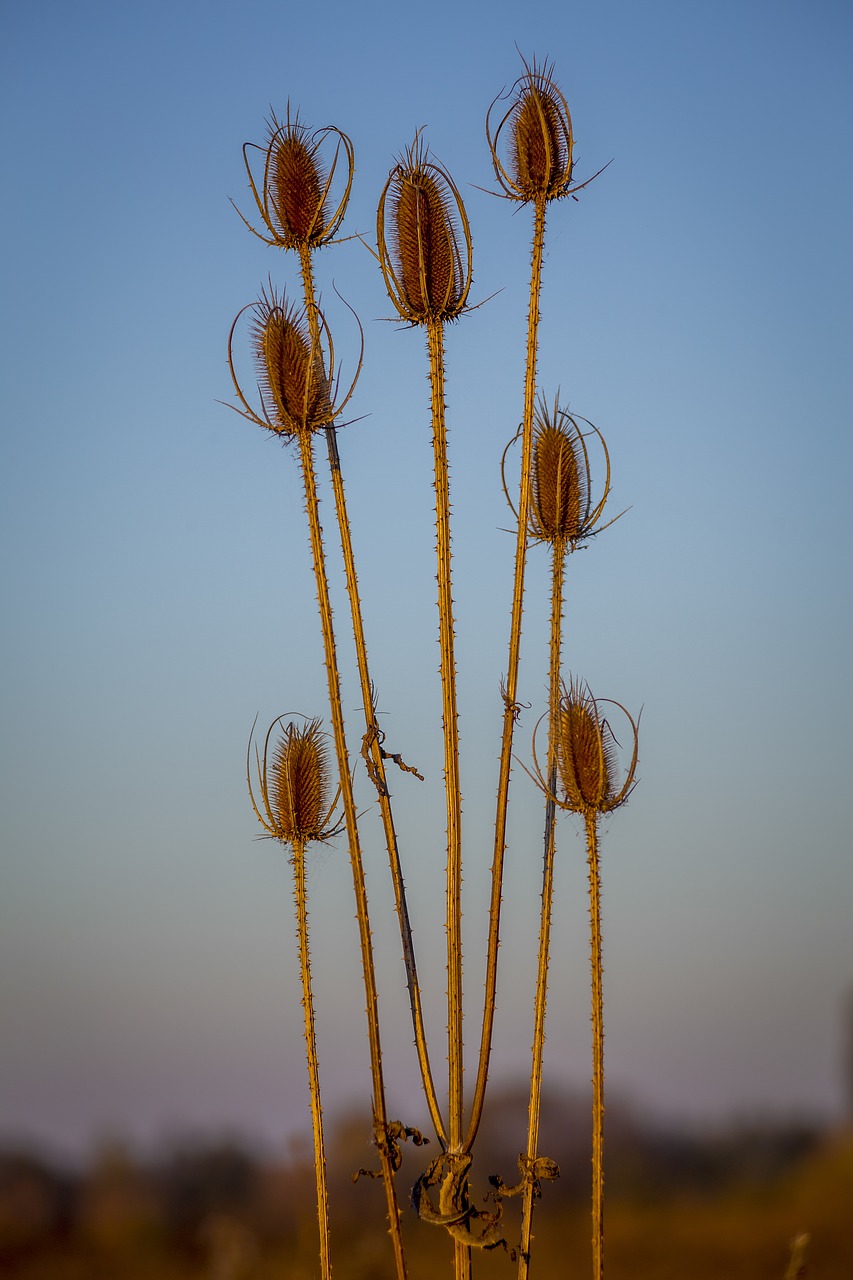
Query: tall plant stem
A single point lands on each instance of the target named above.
(450, 724)
(380, 1118)
(535, 1103)
(373, 739)
(511, 685)
(597, 1047)
(301, 897)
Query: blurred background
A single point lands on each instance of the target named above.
(158, 594)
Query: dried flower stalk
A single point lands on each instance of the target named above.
(563, 515)
(294, 808)
(540, 171)
(427, 266)
(587, 783)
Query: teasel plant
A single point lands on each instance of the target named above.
(297, 397)
(531, 144)
(301, 210)
(425, 252)
(293, 780)
(585, 779)
(563, 514)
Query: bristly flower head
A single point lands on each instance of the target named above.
(294, 195)
(562, 511)
(587, 763)
(295, 391)
(561, 507)
(586, 756)
(294, 783)
(427, 266)
(538, 165)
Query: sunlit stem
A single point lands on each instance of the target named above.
(597, 1048)
(372, 727)
(450, 725)
(351, 822)
(511, 684)
(535, 1103)
(300, 894)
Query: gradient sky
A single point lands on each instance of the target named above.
(156, 584)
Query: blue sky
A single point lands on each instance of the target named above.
(156, 579)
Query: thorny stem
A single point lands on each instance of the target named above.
(300, 895)
(534, 1106)
(597, 1048)
(372, 729)
(351, 821)
(511, 686)
(450, 724)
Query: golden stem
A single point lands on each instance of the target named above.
(597, 1048)
(534, 1106)
(351, 821)
(301, 897)
(511, 687)
(372, 729)
(435, 335)
(450, 724)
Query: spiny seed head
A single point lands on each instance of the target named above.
(586, 756)
(539, 161)
(293, 384)
(294, 195)
(295, 784)
(299, 783)
(427, 266)
(560, 481)
(298, 195)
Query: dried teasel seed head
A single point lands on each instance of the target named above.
(298, 188)
(586, 754)
(427, 265)
(294, 389)
(559, 481)
(294, 195)
(295, 784)
(562, 510)
(291, 375)
(539, 161)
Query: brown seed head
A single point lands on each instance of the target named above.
(427, 271)
(298, 188)
(295, 784)
(294, 388)
(539, 163)
(294, 196)
(587, 761)
(560, 482)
